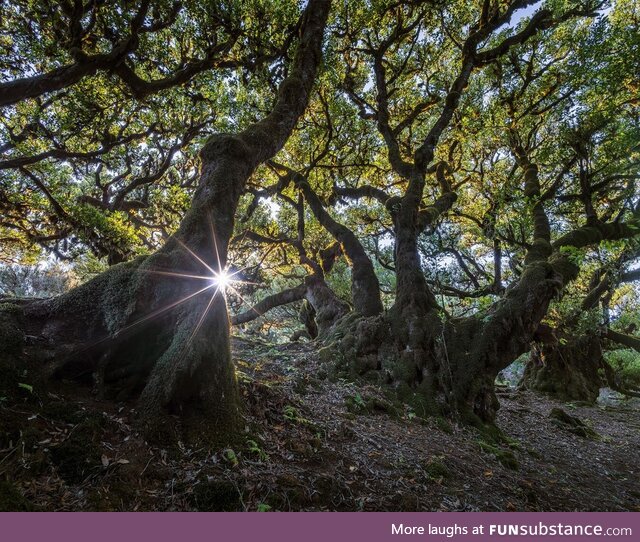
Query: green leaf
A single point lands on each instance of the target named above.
(27, 387)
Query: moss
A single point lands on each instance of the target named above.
(534, 453)
(342, 328)
(11, 308)
(512, 443)
(217, 496)
(327, 354)
(572, 424)
(11, 500)
(436, 469)
(357, 404)
(225, 146)
(569, 371)
(423, 404)
(506, 457)
(404, 368)
(110, 296)
(444, 425)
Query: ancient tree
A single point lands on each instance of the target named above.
(468, 188)
(135, 328)
(568, 356)
(424, 179)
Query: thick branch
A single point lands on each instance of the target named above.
(625, 340)
(365, 288)
(268, 136)
(270, 302)
(591, 235)
(365, 191)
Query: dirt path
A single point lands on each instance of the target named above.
(314, 444)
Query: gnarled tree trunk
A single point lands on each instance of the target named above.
(137, 329)
(365, 288)
(568, 370)
(323, 311)
(446, 365)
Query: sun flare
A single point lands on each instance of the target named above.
(221, 280)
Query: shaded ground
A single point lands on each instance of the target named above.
(313, 444)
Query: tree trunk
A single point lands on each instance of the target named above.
(128, 330)
(447, 366)
(365, 288)
(320, 311)
(276, 300)
(568, 371)
(328, 307)
(415, 320)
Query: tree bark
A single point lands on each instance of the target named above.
(326, 304)
(270, 302)
(365, 288)
(568, 371)
(324, 310)
(571, 371)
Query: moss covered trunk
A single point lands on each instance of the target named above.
(443, 365)
(328, 308)
(449, 365)
(156, 329)
(568, 370)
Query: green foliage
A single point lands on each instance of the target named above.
(27, 387)
(36, 281)
(254, 448)
(291, 413)
(100, 168)
(230, 457)
(626, 363)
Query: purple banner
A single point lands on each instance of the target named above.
(320, 527)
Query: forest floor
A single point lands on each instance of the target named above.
(315, 444)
